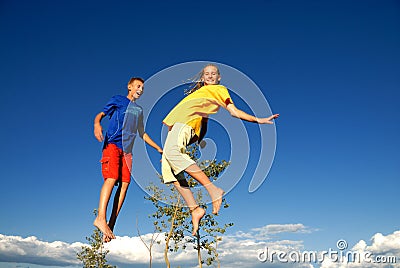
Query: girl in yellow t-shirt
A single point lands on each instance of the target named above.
(187, 123)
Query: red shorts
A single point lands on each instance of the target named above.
(115, 164)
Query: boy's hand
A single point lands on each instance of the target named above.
(202, 144)
(161, 152)
(98, 132)
(267, 120)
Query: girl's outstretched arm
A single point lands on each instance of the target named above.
(235, 112)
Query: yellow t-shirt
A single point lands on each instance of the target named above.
(204, 101)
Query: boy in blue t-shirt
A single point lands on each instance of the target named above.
(126, 120)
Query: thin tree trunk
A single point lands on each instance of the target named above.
(198, 249)
(170, 234)
(151, 259)
(216, 253)
(150, 246)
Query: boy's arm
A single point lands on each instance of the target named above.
(235, 112)
(150, 142)
(98, 130)
(146, 137)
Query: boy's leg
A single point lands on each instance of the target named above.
(196, 211)
(215, 192)
(110, 170)
(101, 221)
(125, 161)
(119, 199)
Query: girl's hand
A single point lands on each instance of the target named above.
(267, 120)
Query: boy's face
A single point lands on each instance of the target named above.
(211, 76)
(136, 89)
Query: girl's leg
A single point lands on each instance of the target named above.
(174, 157)
(101, 221)
(215, 192)
(196, 211)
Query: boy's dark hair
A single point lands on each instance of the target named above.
(133, 79)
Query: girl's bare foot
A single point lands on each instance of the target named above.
(103, 226)
(217, 200)
(197, 214)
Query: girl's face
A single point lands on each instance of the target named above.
(211, 75)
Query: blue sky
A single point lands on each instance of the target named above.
(330, 68)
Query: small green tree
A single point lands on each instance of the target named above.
(149, 246)
(209, 226)
(94, 256)
(169, 218)
(174, 218)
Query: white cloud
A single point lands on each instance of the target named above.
(267, 231)
(32, 250)
(238, 250)
(282, 228)
(133, 250)
(234, 251)
(381, 253)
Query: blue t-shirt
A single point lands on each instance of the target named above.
(125, 119)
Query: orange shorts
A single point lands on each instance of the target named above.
(115, 164)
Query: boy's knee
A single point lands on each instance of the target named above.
(124, 186)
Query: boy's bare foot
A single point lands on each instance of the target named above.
(197, 214)
(106, 239)
(217, 200)
(103, 226)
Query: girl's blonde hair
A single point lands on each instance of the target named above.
(197, 82)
